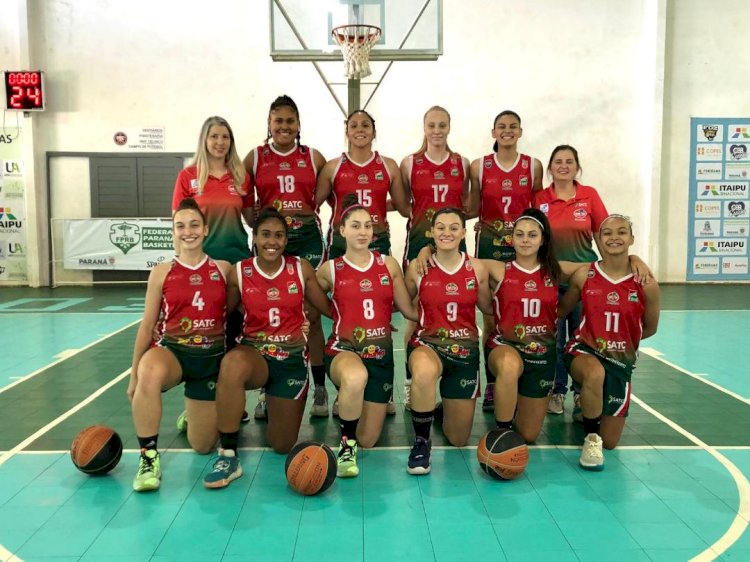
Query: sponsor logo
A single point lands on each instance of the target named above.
(737, 170)
(613, 298)
(439, 175)
(735, 228)
(195, 341)
(455, 172)
(590, 274)
(214, 276)
(247, 271)
(522, 331)
(186, 324)
(14, 248)
(365, 285)
(285, 166)
(272, 294)
(372, 352)
(8, 221)
(273, 350)
(362, 179)
(471, 284)
(603, 346)
(579, 214)
(535, 348)
(734, 266)
(95, 261)
(488, 163)
(339, 264)
(706, 228)
(722, 246)
(384, 279)
(709, 131)
(359, 334)
(295, 382)
(548, 282)
(709, 152)
(293, 223)
(451, 289)
(632, 296)
(530, 285)
(196, 279)
(458, 351)
(712, 190)
(387, 387)
(124, 235)
(708, 210)
(737, 152)
(706, 266)
(292, 288)
(378, 176)
(544, 207)
(194, 185)
(301, 164)
(524, 164)
(468, 382)
(709, 171)
(615, 399)
(507, 184)
(523, 182)
(736, 209)
(290, 268)
(739, 132)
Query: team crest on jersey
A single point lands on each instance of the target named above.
(196, 279)
(385, 280)
(451, 289)
(523, 182)
(530, 285)
(380, 260)
(292, 288)
(194, 185)
(524, 165)
(471, 284)
(232, 190)
(290, 268)
(285, 166)
(301, 164)
(272, 294)
(362, 178)
(579, 214)
(439, 175)
(454, 172)
(468, 266)
(548, 282)
(365, 285)
(544, 207)
(632, 296)
(590, 274)
(247, 271)
(507, 184)
(213, 276)
(488, 163)
(613, 298)
(266, 151)
(378, 176)
(419, 160)
(339, 265)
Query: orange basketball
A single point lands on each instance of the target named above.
(96, 449)
(503, 454)
(310, 467)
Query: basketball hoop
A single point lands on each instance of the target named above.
(356, 41)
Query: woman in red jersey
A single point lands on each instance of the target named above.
(189, 294)
(434, 177)
(367, 174)
(285, 174)
(502, 184)
(364, 286)
(618, 312)
(445, 344)
(272, 351)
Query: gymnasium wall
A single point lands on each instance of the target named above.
(618, 80)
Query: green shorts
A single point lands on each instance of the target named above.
(617, 386)
(199, 372)
(338, 246)
(287, 377)
(379, 385)
(460, 377)
(488, 249)
(538, 375)
(307, 243)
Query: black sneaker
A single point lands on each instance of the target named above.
(419, 458)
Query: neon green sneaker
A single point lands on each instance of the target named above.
(347, 459)
(148, 476)
(182, 422)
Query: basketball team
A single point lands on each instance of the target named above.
(224, 317)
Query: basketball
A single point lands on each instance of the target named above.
(503, 454)
(310, 467)
(96, 450)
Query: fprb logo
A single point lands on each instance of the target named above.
(125, 235)
(740, 133)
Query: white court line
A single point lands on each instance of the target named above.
(84, 348)
(740, 522)
(659, 356)
(62, 417)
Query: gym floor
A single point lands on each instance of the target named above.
(675, 489)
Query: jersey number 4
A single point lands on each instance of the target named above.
(198, 301)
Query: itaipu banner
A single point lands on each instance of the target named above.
(13, 265)
(719, 209)
(116, 244)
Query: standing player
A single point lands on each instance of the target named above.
(445, 344)
(272, 352)
(618, 313)
(434, 177)
(363, 172)
(502, 184)
(359, 354)
(190, 295)
(285, 175)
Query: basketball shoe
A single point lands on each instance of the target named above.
(347, 459)
(592, 455)
(148, 476)
(556, 403)
(226, 468)
(419, 458)
(320, 402)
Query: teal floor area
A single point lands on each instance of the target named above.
(647, 505)
(661, 496)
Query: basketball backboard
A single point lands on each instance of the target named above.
(301, 29)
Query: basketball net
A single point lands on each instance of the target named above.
(356, 41)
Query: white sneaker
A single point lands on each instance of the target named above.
(556, 404)
(261, 412)
(407, 394)
(592, 455)
(320, 402)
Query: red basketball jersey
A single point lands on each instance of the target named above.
(370, 182)
(612, 319)
(287, 182)
(504, 195)
(362, 301)
(274, 307)
(525, 309)
(447, 307)
(433, 187)
(194, 306)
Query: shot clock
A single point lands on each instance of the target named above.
(24, 90)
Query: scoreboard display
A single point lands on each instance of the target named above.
(24, 90)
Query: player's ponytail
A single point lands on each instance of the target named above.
(190, 204)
